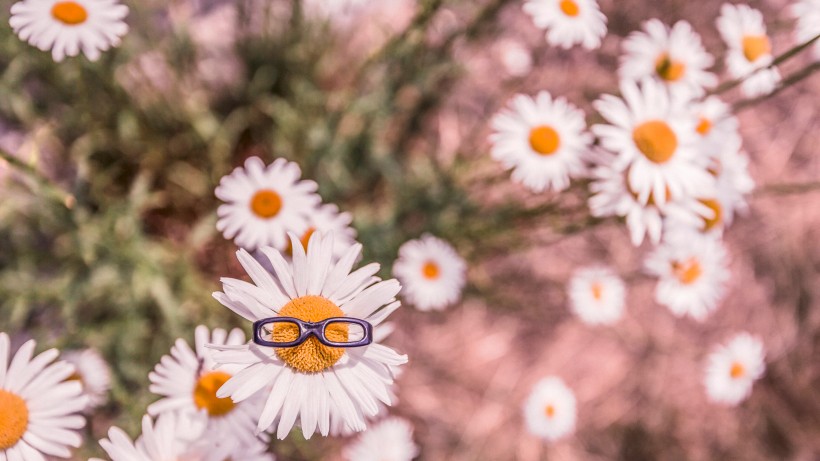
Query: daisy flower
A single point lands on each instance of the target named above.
(807, 13)
(38, 405)
(171, 438)
(327, 219)
(612, 196)
(321, 386)
(750, 51)
(431, 272)
(693, 270)
(543, 140)
(733, 368)
(188, 381)
(550, 411)
(390, 439)
(716, 126)
(264, 203)
(674, 57)
(68, 27)
(731, 170)
(597, 295)
(652, 131)
(92, 371)
(235, 449)
(569, 22)
(514, 56)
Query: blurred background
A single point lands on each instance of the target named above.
(108, 239)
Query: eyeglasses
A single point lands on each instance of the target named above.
(332, 332)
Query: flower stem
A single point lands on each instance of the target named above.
(51, 188)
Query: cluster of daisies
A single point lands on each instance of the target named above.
(667, 159)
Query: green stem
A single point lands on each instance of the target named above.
(44, 181)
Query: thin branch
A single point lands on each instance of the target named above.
(787, 188)
(44, 181)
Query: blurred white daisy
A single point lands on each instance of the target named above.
(320, 386)
(390, 439)
(93, 372)
(750, 50)
(733, 368)
(716, 126)
(542, 139)
(569, 22)
(807, 13)
(514, 56)
(68, 27)
(550, 411)
(597, 295)
(172, 437)
(731, 170)
(230, 449)
(674, 57)
(39, 407)
(693, 271)
(612, 196)
(431, 273)
(327, 219)
(264, 203)
(653, 132)
(188, 381)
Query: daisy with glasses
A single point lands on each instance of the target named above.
(332, 373)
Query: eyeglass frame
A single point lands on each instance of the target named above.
(308, 329)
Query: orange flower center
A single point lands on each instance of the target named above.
(570, 8)
(597, 291)
(755, 46)
(430, 270)
(266, 204)
(549, 411)
(688, 271)
(669, 69)
(656, 140)
(737, 370)
(304, 239)
(544, 140)
(14, 420)
(69, 13)
(205, 394)
(704, 126)
(311, 356)
(713, 205)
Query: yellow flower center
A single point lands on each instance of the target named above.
(656, 140)
(713, 205)
(597, 291)
(311, 356)
(304, 239)
(704, 126)
(755, 46)
(430, 270)
(266, 204)
(669, 69)
(687, 271)
(69, 13)
(737, 370)
(205, 394)
(569, 7)
(14, 420)
(544, 140)
(549, 411)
